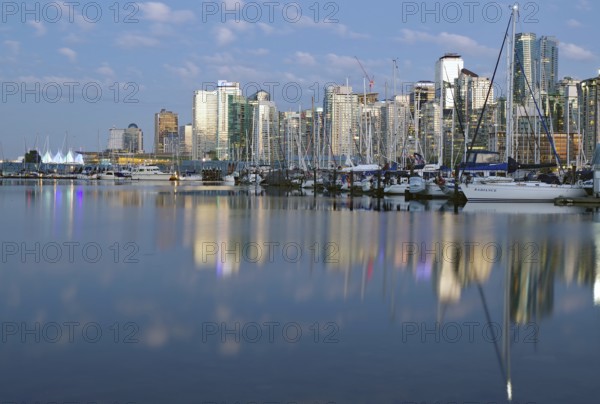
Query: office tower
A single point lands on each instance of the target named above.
(166, 125)
(447, 70)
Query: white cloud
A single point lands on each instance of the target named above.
(13, 46)
(343, 62)
(157, 11)
(224, 35)
(339, 29)
(218, 59)
(584, 5)
(69, 53)
(258, 52)
(135, 40)
(40, 29)
(303, 59)
(105, 70)
(73, 38)
(452, 42)
(572, 23)
(188, 71)
(575, 52)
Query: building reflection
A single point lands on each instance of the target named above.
(451, 252)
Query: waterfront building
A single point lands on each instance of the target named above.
(447, 70)
(115, 139)
(166, 125)
(340, 107)
(526, 56)
(589, 98)
(185, 140)
(204, 124)
(266, 142)
(548, 60)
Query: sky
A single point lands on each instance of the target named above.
(71, 70)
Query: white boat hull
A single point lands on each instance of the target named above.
(396, 189)
(152, 177)
(520, 192)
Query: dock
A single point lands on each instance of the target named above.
(590, 201)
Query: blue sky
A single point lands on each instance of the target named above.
(159, 53)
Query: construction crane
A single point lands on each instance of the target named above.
(371, 79)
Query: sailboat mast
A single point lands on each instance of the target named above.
(509, 84)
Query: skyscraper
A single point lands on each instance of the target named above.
(341, 112)
(526, 55)
(166, 125)
(185, 140)
(226, 91)
(447, 70)
(589, 97)
(548, 57)
(204, 124)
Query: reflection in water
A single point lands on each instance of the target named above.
(222, 254)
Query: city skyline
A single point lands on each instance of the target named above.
(279, 53)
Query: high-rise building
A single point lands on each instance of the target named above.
(396, 119)
(472, 91)
(166, 125)
(115, 139)
(185, 140)
(526, 56)
(266, 144)
(447, 70)
(226, 91)
(133, 139)
(340, 107)
(130, 140)
(204, 124)
(589, 105)
(548, 59)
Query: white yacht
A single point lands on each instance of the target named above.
(151, 173)
(520, 191)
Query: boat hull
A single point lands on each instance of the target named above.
(520, 192)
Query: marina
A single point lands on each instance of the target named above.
(306, 203)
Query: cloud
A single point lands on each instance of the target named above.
(302, 58)
(135, 40)
(339, 29)
(13, 46)
(572, 23)
(218, 59)
(157, 11)
(188, 71)
(40, 29)
(584, 5)
(105, 70)
(575, 52)
(69, 53)
(224, 36)
(258, 52)
(452, 42)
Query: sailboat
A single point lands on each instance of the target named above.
(519, 191)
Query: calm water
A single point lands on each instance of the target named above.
(191, 294)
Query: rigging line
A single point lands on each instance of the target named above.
(542, 120)
(470, 148)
